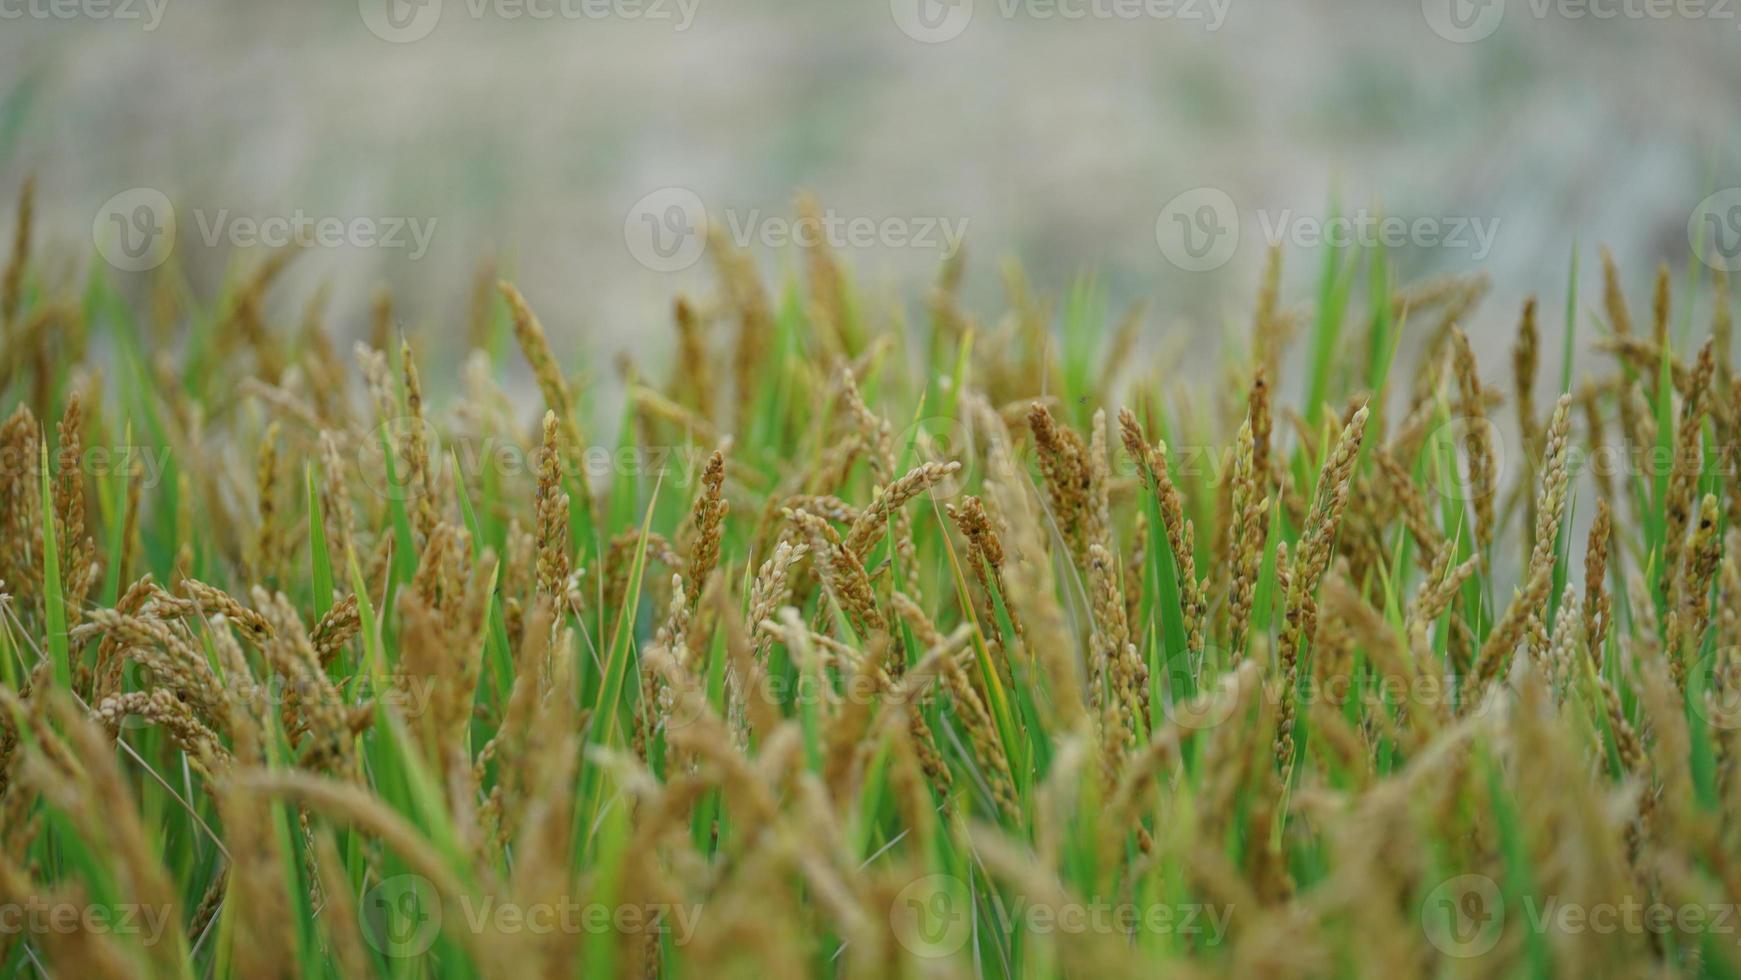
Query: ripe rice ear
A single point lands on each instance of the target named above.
(12, 282)
(1310, 560)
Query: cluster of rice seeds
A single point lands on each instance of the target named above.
(815, 688)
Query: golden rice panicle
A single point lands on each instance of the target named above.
(708, 521)
(744, 291)
(1097, 515)
(108, 814)
(266, 489)
(975, 525)
(316, 717)
(420, 473)
(481, 315)
(381, 318)
(516, 741)
(1031, 595)
(874, 431)
(1440, 588)
(342, 622)
(1613, 298)
(850, 725)
(372, 362)
(166, 653)
(1310, 560)
(1525, 358)
(970, 707)
(338, 516)
(1721, 701)
(1109, 632)
(693, 385)
(1064, 463)
(246, 320)
(1251, 516)
(213, 601)
(1551, 502)
(1249, 509)
(1269, 327)
(1478, 442)
(106, 674)
(78, 551)
(339, 918)
(772, 589)
(1685, 468)
(984, 557)
(552, 515)
(1598, 607)
(12, 285)
(886, 508)
(1151, 461)
(1590, 399)
(320, 360)
(162, 708)
(440, 655)
(1495, 655)
(1659, 308)
(843, 575)
(1562, 655)
(529, 332)
(20, 502)
(1408, 498)
(1694, 613)
(828, 292)
(1722, 323)
(1258, 409)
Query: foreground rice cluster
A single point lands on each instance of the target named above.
(955, 649)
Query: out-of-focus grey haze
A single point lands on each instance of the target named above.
(1058, 140)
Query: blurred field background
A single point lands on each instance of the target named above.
(1057, 142)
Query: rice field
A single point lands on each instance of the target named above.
(971, 646)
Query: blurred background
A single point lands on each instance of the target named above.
(1157, 143)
